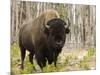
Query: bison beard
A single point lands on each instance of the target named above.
(43, 37)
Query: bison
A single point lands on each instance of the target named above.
(43, 37)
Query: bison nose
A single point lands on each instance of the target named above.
(59, 42)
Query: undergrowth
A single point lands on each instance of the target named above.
(70, 61)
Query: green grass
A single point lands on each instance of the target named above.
(84, 63)
(90, 53)
(64, 66)
(50, 68)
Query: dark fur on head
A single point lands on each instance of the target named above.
(56, 33)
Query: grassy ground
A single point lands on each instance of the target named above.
(68, 60)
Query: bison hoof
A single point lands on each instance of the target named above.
(20, 66)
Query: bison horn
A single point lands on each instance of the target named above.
(47, 26)
(68, 24)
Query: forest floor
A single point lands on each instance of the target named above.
(68, 60)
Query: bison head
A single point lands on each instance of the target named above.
(56, 30)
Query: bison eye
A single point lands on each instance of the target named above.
(59, 42)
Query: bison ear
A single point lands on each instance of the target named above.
(67, 30)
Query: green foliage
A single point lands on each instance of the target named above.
(15, 60)
(50, 68)
(28, 68)
(70, 58)
(84, 63)
(15, 54)
(90, 52)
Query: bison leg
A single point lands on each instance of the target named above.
(40, 58)
(50, 60)
(55, 58)
(31, 58)
(49, 56)
(55, 61)
(23, 52)
(44, 61)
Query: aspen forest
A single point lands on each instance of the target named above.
(79, 51)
